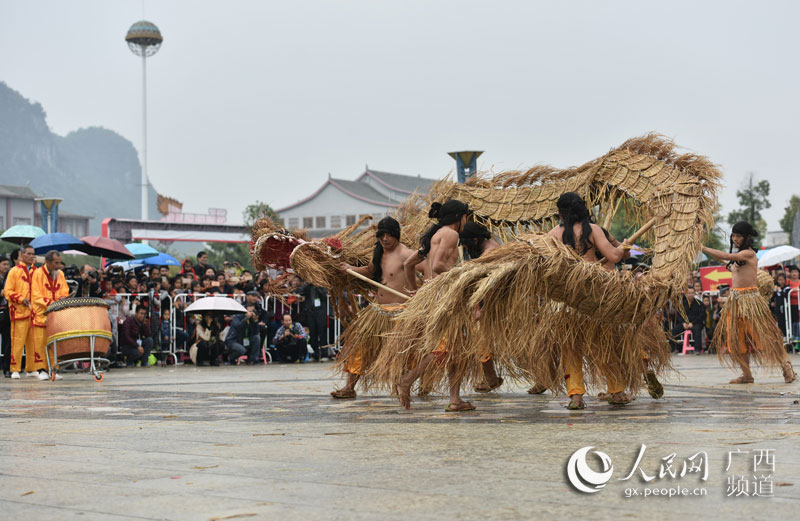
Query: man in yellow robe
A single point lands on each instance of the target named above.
(18, 293)
(48, 285)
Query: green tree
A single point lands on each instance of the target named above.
(753, 197)
(714, 238)
(787, 221)
(256, 211)
(219, 252)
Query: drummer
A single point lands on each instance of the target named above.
(47, 286)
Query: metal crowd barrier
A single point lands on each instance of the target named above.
(790, 320)
(268, 303)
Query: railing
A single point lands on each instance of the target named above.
(787, 310)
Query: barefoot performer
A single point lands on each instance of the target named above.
(439, 245)
(746, 326)
(363, 338)
(588, 240)
(476, 239)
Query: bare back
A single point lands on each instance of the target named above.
(597, 240)
(444, 252)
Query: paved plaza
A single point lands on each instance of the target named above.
(268, 443)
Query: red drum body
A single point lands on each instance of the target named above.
(73, 322)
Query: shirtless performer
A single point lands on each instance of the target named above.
(588, 239)
(363, 337)
(746, 326)
(440, 246)
(477, 240)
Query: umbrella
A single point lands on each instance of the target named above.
(141, 251)
(220, 304)
(105, 247)
(55, 241)
(777, 255)
(22, 233)
(162, 259)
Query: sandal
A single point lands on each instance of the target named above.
(742, 380)
(486, 388)
(343, 394)
(537, 389)
(622, 398)
(459, 407)
(576, 405)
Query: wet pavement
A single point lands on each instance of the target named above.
(268, 443)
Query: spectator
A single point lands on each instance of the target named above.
(202, 265)
(711, 317)
(794, 283)
(166, 332)
(694, 312)
(5, 318)
(698, 288)
(290, 341)
(208, 346)
(187, 271)
(135, 340)
(89, 285)
(243, 336)
(778, 301)
(315, 315)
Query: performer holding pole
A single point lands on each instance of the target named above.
(746, 327)
(477, 240)
(439, 245)
(363, 338)
(588, 240)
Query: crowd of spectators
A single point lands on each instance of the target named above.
(289, 319)
(701, 310)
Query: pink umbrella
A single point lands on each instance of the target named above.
(105, 247)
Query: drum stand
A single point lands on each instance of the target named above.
(98, 374)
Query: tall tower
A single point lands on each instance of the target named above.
(144, 39)
(466, 163)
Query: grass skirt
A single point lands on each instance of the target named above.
(746, 327)
(364, 338)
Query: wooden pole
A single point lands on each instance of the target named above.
(627, 243)
(610, 214)
(378, 284)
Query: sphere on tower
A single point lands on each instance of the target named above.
(144, 38)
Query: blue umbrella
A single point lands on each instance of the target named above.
(56, 241)
(141, 251)
(162, 259)
(22, 233)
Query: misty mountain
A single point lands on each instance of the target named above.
(95, 170)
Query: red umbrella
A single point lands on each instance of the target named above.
(105, 247)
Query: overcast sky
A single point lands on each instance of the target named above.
(261, 99)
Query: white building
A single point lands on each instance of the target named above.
(338, 203)
(18, 206)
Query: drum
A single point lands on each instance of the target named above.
(72, 322)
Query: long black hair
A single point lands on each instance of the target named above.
(572, 209)
(472, 231)
(447, 213)
(385, 225)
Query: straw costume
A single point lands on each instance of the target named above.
(535, 289)
(747, 330)
(543, 301)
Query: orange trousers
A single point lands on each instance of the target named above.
(24, 336)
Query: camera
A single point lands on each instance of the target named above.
(72, 272)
